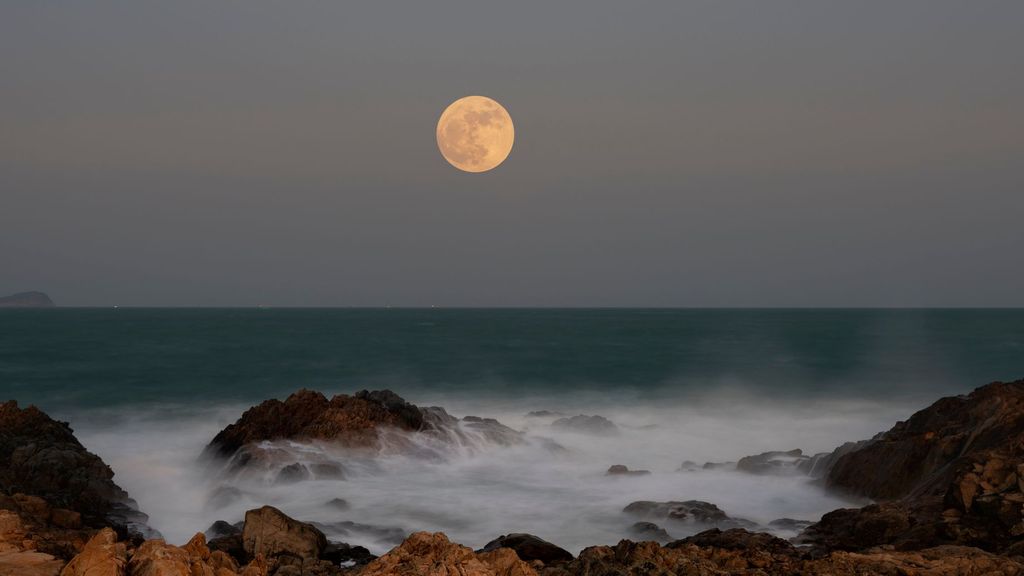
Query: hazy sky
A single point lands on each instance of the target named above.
(709, 153)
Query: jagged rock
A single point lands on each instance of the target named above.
(622, 470)
(736, 539)
(426, 554)
(221, 528)
(649, 531)
(953, 469)
(270, 533)
(18, 553)
(40, 456)
(785, 463)
(597, 425)
(339, 552)
(529, 548)
(695, 510)
(308, 415)
(103, 555)
(292, 473)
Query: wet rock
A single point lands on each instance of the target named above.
(737, 539)
(351, 421)
(341, 553)
(327, 471)
(529, 548)
(544, 414)
(220, 528)
(346, 528)
(861, 528)
(270, 533)
(621, 470)
(292, 473)
(689, 466)
(223, 496)
(691, 510)
(953, 470)
(776, 463)
(649, 531)
(41, 457)
(789, 524)
(339, 504)
(426, 554)
(596, 425)
(719, 466)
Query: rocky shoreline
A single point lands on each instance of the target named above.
(947, 487)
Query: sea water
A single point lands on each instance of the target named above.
(146, 389)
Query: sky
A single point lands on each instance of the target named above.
(197, 153)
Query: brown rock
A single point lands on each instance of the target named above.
(103, 555)
(270, 533)
(426, 554)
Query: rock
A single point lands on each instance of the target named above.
(426, 554)
(544, 414)
(351, 421)
(223, 496)
(18, 549)
(270, 533)
(339, 504)
(861, 528)
(784, 463)
(26, 300)
(103, 555)
(692, 510)
(621, 470)
(649, 531)
(719, 466)
(789, 524)
(737, 539)
(529, 548)
(688, 466)
(221, 528)
(41, 457)
(340, 553)
(952, 469)
(597, 425)
(821, 464)
(327, 471)
(292, 473)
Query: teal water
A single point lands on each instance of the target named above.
(64, 359)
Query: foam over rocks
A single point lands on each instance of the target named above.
(947, 486)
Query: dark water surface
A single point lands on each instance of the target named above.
(73, 359)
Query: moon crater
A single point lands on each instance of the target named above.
(475, 134)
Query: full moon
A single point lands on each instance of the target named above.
(475, 134)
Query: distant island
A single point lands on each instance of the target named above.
(26, 300)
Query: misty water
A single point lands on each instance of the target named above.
(148, 389)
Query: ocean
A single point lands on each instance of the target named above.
(146, 389)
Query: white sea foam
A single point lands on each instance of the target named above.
(479, 489)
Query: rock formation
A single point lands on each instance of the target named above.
(529, 548)
(953, 473)
(40, 456)
(596, 425)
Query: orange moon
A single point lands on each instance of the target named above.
(475, 134)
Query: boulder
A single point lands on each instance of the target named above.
(691, 510)
(777, 463)
(103, 555)
(529, 548)
(270, 533)
(649, 531)
(622, 470)
(595, 425)
(351, 421)
(432, 554)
